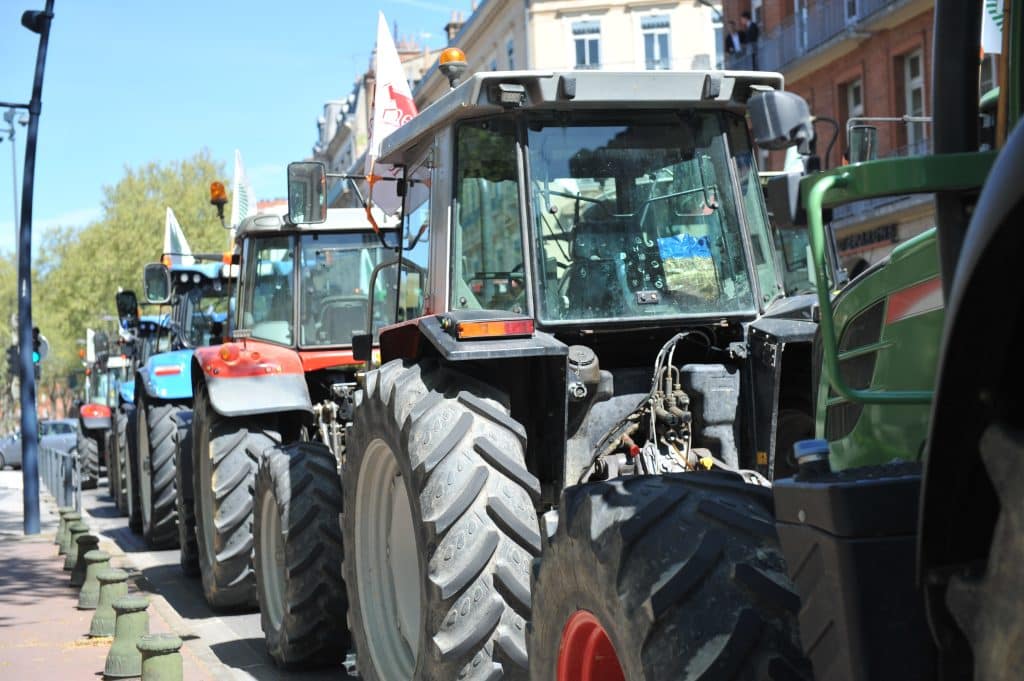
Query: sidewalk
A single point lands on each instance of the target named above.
(44, 633)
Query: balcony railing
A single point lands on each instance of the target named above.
(806, 31)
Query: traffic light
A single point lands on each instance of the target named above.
(36, 353)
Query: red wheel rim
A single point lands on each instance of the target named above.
(586, 652)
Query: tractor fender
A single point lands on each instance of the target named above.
(94, 416)
(980, 342)
(409, 340)
(256, 378)
(126, 391)
(168, 376)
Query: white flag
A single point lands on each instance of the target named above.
(243, 199)
(992, 27)
(176, 247)
(393, 106)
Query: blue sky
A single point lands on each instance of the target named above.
(129, 82)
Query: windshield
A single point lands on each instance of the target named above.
(637, 219)
(205, 313)
(56, 428)
(793, 246)
(102, 389)
(334, 300)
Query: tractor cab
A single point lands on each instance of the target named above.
(311, 288)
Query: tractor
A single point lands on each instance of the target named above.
(605, 355)
(94, 411)
(198, 294)
(901, 528)
(272, 409)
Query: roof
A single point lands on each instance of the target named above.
(578, 90)
(338, 220)
(210, 270)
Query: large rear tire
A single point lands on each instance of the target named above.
(672, 577)
(89, 456)
(185, 503)
(156, 475)
(440, 528)
(226, 452)
(120, 455)
(132, 471)
(303, 606)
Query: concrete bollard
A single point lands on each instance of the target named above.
(124, 659)
(89, 596)
(161, 660)
(75, 530)
(72, 517)
(86, 543)
(61, 512)
(113, 585)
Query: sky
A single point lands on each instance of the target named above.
(130, 82)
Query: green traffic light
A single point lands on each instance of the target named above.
(35, 358)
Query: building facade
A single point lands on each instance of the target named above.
(557, 35)
(854, 60)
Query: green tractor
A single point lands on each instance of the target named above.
(604, 375)
(901, 529)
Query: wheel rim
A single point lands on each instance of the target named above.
(272, 565)
(388, 573)
(586, 652)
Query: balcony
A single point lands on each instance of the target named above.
(801, 34)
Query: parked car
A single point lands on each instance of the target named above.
(59, 434)
(10, 450)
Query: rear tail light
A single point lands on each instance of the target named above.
(494, 328)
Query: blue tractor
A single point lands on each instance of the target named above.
(199, 298)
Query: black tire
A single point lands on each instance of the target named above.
(189, 553)
(120, 453)
(226, 450)
(460, 457)
(132, 470)
(684, 574)
(156, 474)
(89, 456)
(989, 606)
(113, 472)
(303, 605)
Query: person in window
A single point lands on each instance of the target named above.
(749, 36)
(732, 40)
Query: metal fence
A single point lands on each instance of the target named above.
(62, 476)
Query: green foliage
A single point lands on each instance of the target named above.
(78, 271)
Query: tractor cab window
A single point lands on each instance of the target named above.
(206, 314)
(268, 300)
(487, 252)
(635, 217)
(335, 273)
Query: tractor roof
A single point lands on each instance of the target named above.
(480, 95)
(338, 220)
(210, 270)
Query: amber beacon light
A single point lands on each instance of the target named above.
(452, 63)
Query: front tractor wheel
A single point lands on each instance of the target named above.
(303, 606)
(157, 492)
(131, 475)
(89, 458)
(225, 453)
(669, 577)
(440, 528)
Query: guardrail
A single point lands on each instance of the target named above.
(62, 476)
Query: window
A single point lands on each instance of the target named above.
(988, 78)
(852, 10)
(268, 300)
(854, 99)
(487, 251)
(755, 11)
(587, 39)
(655, 29)
(913, 88)
(510, 51)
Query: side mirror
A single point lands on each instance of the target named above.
(307, 194)
(362, 347)
(863, 143)
(128, 309)
(156, 283)
(780, 120)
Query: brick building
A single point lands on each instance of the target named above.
(850, 59)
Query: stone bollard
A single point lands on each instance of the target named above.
(86, 543)
(113, 585)
(161, 660)
(62, 511)
(89, 596)
(124, 659)
(69, 518)
(75, 530)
